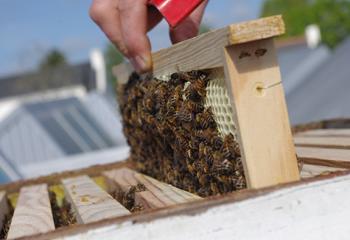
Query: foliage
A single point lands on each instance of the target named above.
(204, 28)
(333, 17)
(53, 59)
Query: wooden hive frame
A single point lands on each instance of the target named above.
(247, 54)
(285, 210)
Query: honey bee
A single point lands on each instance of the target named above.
(226, 153)
(184, 115)
(205, 120)
(260, 52)
(236, 149)
(232, 144)
(244, 54)
(181, 77)
(194, 107)
(217, 143)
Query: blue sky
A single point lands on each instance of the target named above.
(30, 28)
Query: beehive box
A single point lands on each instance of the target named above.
(125, 204)
(116, 201)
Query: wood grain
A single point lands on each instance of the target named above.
(90, 202)
(156, 195)
(32, 214)
(313, 210)
(324, 142)
(325, 133)
(309, 170)
(206, 50)
(258, 100)
(339, 158)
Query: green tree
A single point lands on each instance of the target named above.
(53, 59)
(113, 57)
(333, 17)
(203, 28)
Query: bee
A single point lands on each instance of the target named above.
(194, 107)
(180, 77)
(137, 208)
(232, 144)
(244, 54)
(240, 183)
(225, 168)
(300, 164)
(184, 115)
(260, 52)
(205, 120)
(181, 142)
(202, 75)
(214, 188)
(226, 153)
(129, 198)
(196, 91)
(217, 142)
(193, 143)
(236, 149)
(148, 104)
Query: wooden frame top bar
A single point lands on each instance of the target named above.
(205, 51)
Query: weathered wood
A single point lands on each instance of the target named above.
(4, 207)
(324, 142)
(32, 214)
(195, 208)
(156, 195)
(254, 81)
(89, 201)
(55, 178)
(339, 158)
(309, 170)
(205, 51)
(317, 210)
(325, 133)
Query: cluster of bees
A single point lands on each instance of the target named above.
(6, 224)
(175, 139)
(127, 198)
(62, 215)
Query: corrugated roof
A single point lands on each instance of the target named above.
(45, 131)
(70, 125)
(70, 75)
(297, 61)
(325, 92)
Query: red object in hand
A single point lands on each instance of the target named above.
(174, 11)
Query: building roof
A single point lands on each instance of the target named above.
(39, 133)
(297, 61)
(43, 80)
(324, 93)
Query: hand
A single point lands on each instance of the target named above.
(126, 23)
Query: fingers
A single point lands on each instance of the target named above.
(134, 27)
(190, 26)
(106, 15)
(125, 24)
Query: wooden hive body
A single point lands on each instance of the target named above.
(292, 211)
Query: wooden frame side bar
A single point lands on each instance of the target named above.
(257, 97)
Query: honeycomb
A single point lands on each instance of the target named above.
(218, 99)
